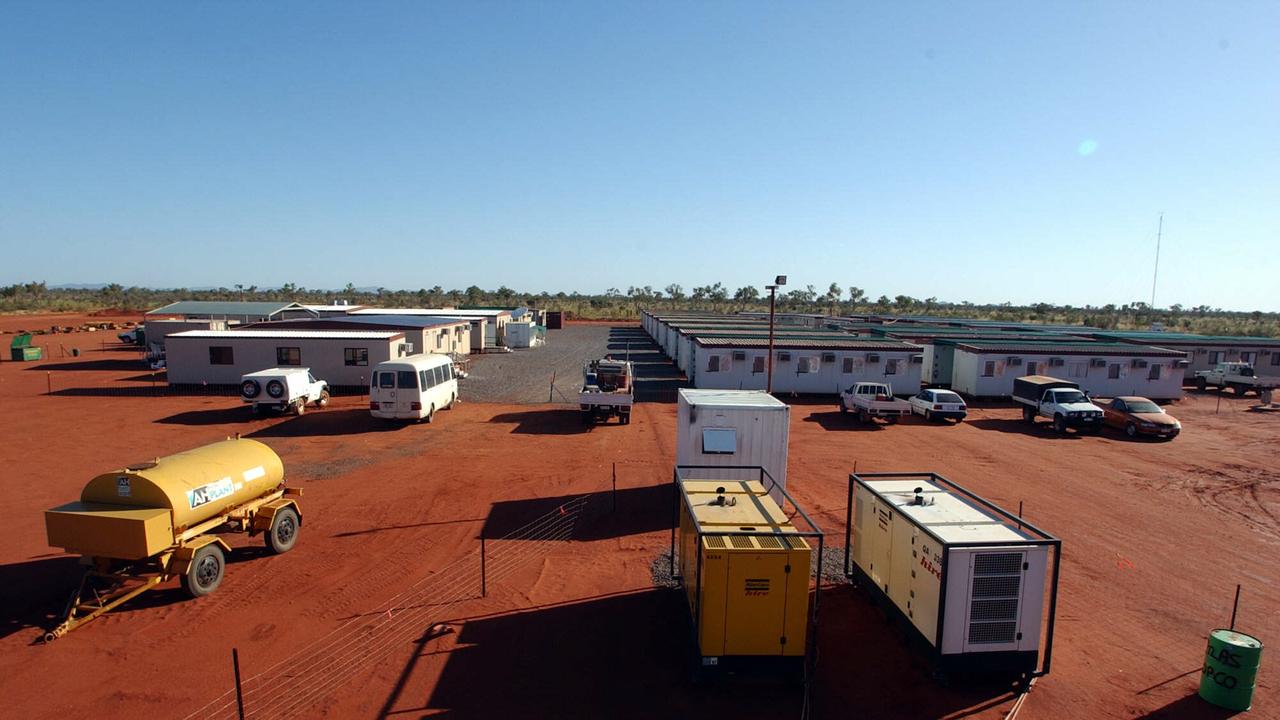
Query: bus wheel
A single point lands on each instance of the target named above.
(431, 414)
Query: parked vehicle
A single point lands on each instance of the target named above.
(872, 400)
(133, 336)
(607, 391)
(1139, 416)
(1058, 400)
(413, 388)
(283, 389)
(936, 404)
(1239, 376)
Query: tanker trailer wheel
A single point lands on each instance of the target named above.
(205, 574)
(284, 531)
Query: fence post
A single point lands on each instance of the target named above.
(551, 393)
(484, 589)
(48, 382)
(235, 663)
(615, 487)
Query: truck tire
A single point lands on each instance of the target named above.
(1059, 423)
(205, 574)
(283, 534)
(585, 416)
(1240, 389)
(323, 400)
(1201, 384)
(1028, 415)
(843, 409)
(625, 418)
(300, 407)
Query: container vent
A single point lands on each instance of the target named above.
(715, 541)
(994, 598)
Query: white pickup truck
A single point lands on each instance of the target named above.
(607, 390)
(1058, 400)
(283, 389)
(872, 400)
(1239, 376)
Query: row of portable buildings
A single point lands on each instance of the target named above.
(822, 354)
(214, 343)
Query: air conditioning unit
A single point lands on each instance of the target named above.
(739, 355)
(784, 357)
(1182, 364)
(978, 595)
(1098, 362)
(828, 357)
(1014, 361)
(917, 359)
(1139, 363)
(873, 357)
(1056, 362)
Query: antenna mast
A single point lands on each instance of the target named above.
(1156, 273)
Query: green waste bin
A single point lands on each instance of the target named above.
(1230, 669)
(21, 350)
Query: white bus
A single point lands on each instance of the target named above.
(413, 388)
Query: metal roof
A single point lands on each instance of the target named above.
(405, 321)
(430, 311)
(758, 399)
(1167, 338)
(1042, 348)
(225, 307)
(290, 334)
(852, 343)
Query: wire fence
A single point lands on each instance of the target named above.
(293, 685)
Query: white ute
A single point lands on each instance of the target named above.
(607, 390)
(873, 400)
(1059, 400)
(283, 389)
(1239, 376)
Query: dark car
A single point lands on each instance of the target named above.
(1138, 416)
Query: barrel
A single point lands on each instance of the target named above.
(1230, 669)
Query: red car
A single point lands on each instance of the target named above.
(1138, 416)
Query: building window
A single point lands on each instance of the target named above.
(989, 368)
(757, 364)
(440, 340)
(719, 441)
(1032, 366)
(1215, 357)
(806, 365)
(1153, 373)
(1076, 369)
(355, 356)
(1248, 357)
(1275, 357)
(847, 366)
(713, 363)
(221, 356)
(891, 367)
(1113, 372)
(288, 356)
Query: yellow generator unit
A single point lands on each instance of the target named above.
(744, 566)
(141, 525)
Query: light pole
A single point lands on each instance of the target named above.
(773, 289)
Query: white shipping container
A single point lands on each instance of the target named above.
(734, 428)
(970, 579)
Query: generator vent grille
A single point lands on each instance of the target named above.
(769, 542)
(715, 541)
(997, 564)
(994, 598)
(741, 542)
(993, 632)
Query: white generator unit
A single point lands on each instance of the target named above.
(734, 428)
(977, 584)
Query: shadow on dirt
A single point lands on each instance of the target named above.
(1190, 707)
(545, 422)
(639, 510)
(101, 365)
(836, 420)
(1018, 427)
(329, 422)
(34, 592)
(384, 528)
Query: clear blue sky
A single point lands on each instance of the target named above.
(985, 151)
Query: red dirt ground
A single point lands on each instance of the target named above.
(1155, 538)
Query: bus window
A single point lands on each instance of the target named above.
(407, 380)
(387, 380)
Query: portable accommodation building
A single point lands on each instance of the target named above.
(1203, 352)
(525, 335)
(977, 584)
(343, 358)
(939, 359)
(493, 329)
(987, 368)
(159, 329)
(424, 334)
(822, 366)
(685, 337)
(230, 311)
(733, 428)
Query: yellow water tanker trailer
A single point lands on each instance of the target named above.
(147, 523)
(744, 569)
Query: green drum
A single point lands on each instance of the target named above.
(1230, 669)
